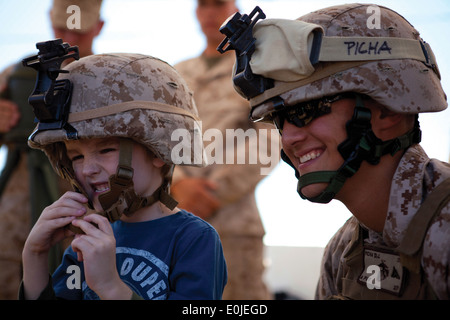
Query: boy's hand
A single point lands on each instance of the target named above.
(50, 227)
(97, 249)
(48, 230)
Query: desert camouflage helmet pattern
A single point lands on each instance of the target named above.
(131, 96)
(402, 85)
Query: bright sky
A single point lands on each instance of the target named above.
(168, 30)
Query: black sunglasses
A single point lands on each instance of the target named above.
(303, 113)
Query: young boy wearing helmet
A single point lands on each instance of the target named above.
(116, 151)
(345, 98)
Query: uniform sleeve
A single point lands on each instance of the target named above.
(330, 278)
(436, 254)
(198, 270)
(325, 286)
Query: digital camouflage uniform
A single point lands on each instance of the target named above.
(415, 178)
(238, 221)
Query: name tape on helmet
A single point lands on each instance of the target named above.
(370, 48)
(292, 42)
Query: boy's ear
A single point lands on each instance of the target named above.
(157, 162)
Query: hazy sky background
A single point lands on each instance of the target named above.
(168, 29)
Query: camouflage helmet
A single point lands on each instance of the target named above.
(390, 62)
(131, 96)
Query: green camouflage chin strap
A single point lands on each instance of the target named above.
(361, 144)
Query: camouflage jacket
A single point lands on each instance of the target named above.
(415, 178)
(221, 109)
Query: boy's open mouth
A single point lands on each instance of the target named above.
(100, 187)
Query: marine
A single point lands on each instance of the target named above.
(349, 126)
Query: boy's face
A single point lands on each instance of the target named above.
(95, 160)
(314, 147)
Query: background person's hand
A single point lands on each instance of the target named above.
(9, 115)
(196, 195)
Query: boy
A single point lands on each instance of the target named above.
(123, 110)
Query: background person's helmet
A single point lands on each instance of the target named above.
(403, 85)
(130, 96)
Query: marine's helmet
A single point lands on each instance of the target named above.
(365, 49)
(130, 96)
(390, 62)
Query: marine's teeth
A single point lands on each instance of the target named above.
(309, 156)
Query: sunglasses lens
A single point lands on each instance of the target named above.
(302, 114)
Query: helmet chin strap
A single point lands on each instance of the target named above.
(361, 144)
(121, 197)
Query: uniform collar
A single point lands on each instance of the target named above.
(406, 196)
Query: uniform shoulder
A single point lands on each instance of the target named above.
(344, 234)
(188, 63)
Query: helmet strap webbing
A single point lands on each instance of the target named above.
(122, 198)
(361, 145)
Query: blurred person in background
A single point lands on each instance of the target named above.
(28, 183)
(224, 194)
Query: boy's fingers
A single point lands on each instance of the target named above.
(94, 225)
(75, 196)
(102, 222)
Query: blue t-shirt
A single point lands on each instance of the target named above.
(175, 257)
